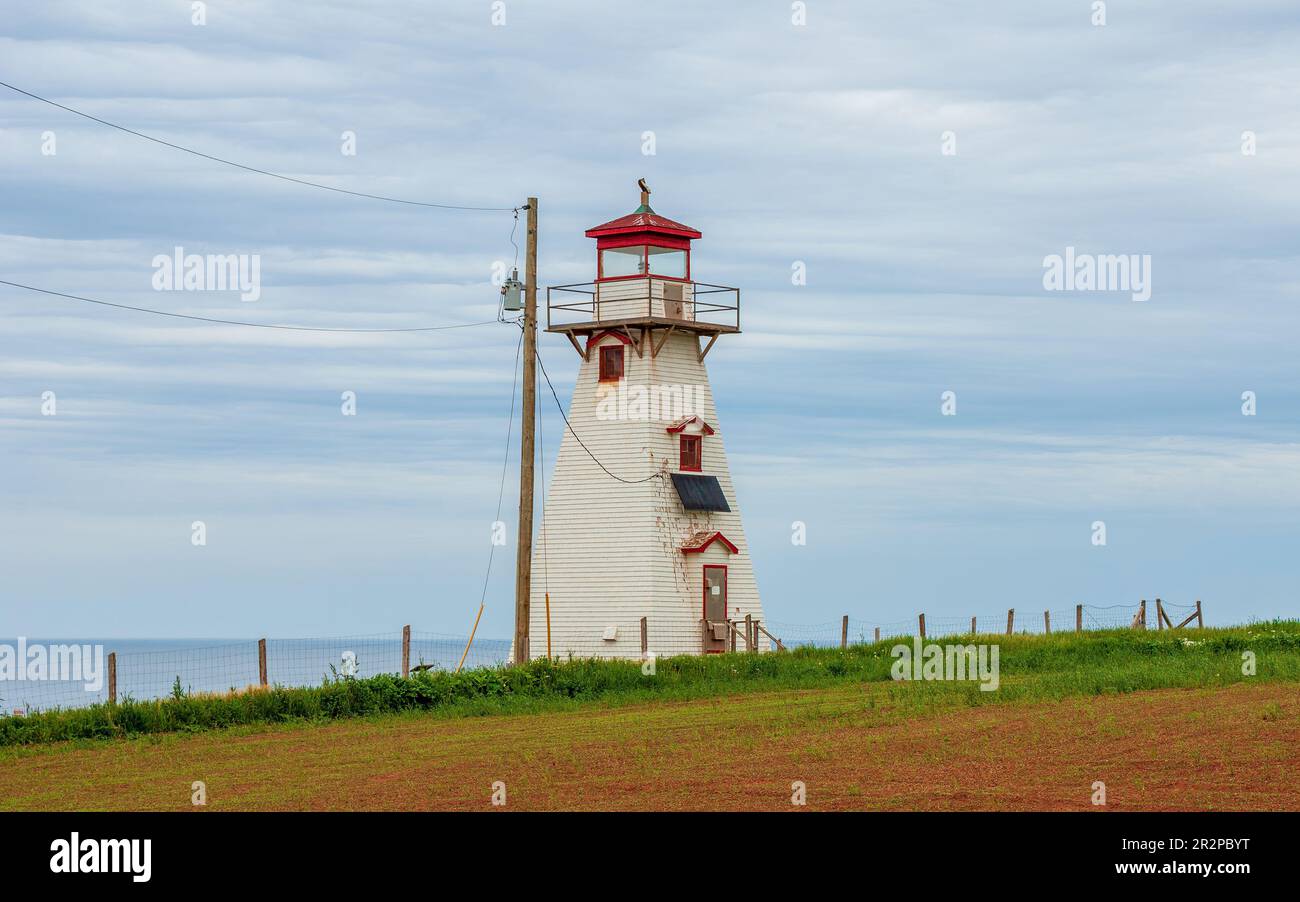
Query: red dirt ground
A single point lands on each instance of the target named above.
(1231, 748)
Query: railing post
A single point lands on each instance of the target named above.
(749, 632)
(261, 662)
(112, 677)
(922, 619)
(645, 639)
(844, 632)
(1011, 620)
(406, 651)
(1078, 618)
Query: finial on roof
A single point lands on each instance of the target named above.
(645, 196)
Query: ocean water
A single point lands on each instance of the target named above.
(150, 668)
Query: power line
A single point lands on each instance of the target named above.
(231, 322)
(274, 175)
(505, 463)
(576, 436)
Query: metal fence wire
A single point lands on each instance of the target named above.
(141, 671)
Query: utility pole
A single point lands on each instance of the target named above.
(524, 557)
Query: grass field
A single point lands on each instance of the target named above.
(1070, 711)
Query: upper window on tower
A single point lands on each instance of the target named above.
(622, 261)
(666, 261)
(639, 260)
(611, 363)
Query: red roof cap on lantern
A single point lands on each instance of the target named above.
(643, 219)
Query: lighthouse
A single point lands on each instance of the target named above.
(641, 551)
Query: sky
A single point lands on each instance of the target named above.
(917, 161)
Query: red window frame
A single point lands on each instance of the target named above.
(690, 453)
(677, 244)
(609, 371)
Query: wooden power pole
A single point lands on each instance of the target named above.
(524, 557)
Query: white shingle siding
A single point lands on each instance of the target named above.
(626, 298)
(609, 553)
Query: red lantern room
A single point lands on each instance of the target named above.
(644, 283)
(643, 244)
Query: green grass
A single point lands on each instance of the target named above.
(1032, 668)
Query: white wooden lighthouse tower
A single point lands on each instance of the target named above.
(642, 522)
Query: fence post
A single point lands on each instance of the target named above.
(112, 677)
(922, 619)
(1140, 619)
(731, 631)
(406, 651)
(1199, 620)
(1047, 622)
(1160, 615)
(972, 626)
(750, 635)
(645, 639)
(844, 632)
(261, 662)
(1078, 618)
(877, 634)
(1011, 620)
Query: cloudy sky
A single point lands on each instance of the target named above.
(820, 143)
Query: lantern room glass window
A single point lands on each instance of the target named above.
(666, 261)
(641, 259)
(622, 261)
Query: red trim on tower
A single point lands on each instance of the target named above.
(686, 421)
(595, 339)
(651, 238)
(702, 540)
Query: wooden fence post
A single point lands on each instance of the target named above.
(1200, 621)
(1011, 620)
(1047, 622)
(922, 619)
(1160, 614)
(261, 662)
(844, 632)
(645, 639)
(1078, 618)
(112, 677)
(406, 651)
(877, 634)
(972, 626)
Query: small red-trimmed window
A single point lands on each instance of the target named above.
(692, 456)
(611, 363)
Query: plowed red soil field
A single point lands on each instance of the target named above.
(1231, 748)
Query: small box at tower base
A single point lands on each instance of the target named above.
(641, 551)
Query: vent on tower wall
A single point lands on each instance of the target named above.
(700, 493)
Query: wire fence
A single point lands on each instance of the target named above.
(78, 674)
(853, 631)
